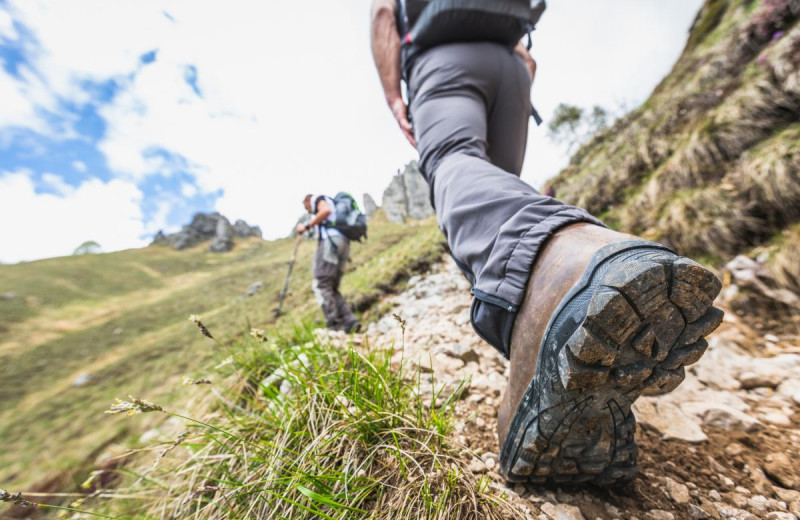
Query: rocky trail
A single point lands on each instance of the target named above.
(724, 445)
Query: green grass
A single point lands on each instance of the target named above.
(129, 332)
(305, 429)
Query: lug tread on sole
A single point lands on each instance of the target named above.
(645, 321)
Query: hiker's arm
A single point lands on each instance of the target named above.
(530, 63)
(386, 53)
(323, 211)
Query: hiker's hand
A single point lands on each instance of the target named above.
(530, 63)
(301, 228)
(400, 112)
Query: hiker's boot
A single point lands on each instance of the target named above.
(353, 327)
(606, 317)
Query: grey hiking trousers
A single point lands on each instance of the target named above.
(329, 263)
(470, 104)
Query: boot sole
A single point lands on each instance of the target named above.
(628, 327)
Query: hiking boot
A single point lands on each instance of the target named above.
(606, 317)
(353, 327)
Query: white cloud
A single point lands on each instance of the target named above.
(158, 221)
(18, 108)
(188, 190)
(291, 102)
(7, 25)
(58, 185)
(79, 166)
(46, 225)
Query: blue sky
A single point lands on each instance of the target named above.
(118, 119)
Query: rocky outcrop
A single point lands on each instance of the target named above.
(370, 207)
(223, 237)
(243, 230)
(407, 196)
(208, 226)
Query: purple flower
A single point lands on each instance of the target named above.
(777, 35)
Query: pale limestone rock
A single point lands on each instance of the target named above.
(777, 418)
(731, 419)
(733, 513)
(737, 500)
(612, 511)
(562, 512)
(668, 420)
(733, 449)
(677, 491)
(780, 515)
(697, 513)
(458, 350)
(657, 514)
(783, 470)
(477, 466)
(768, 372)
(790, 388)
(759, 503)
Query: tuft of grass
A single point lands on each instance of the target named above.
(705, 223)
(707, 20)
(783, 255)
(312, 429)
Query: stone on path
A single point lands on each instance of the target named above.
(731, 419)
(668, 420)
(562, 512)
(677, 491)
(783, 470)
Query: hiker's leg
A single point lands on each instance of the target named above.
(326, 276)
(494, 222)
(345, 316)
(508, 117)
(614, 317)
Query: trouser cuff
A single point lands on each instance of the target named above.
(493, 320)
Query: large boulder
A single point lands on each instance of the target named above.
(242, 229)
(223, 238)
(205, 223)
(370, 207)
(407, 196)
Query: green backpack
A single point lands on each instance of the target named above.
(350, 221)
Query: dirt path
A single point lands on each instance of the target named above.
(725, 444)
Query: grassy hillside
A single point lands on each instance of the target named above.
(709, 164)
(77, 332)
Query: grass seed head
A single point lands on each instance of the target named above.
(195, 318)
(201, 381)
(259, 334)
(401, 321)
(133, 407)
(199, 492)
(17, 499)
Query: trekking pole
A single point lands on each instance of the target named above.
(288, 276)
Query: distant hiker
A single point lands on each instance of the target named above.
(333, 250)
(590, 318)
